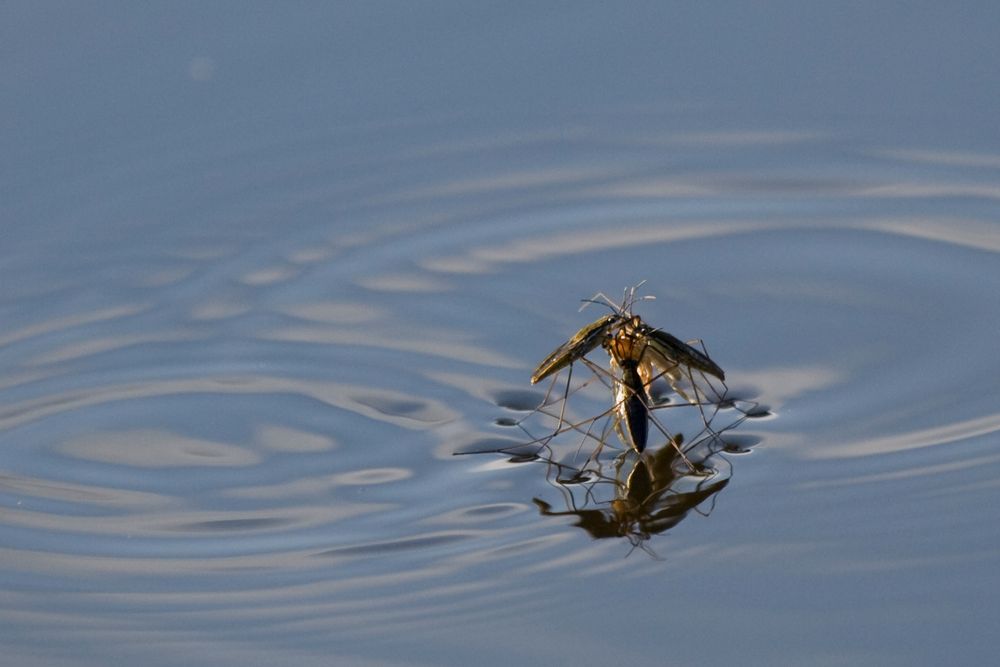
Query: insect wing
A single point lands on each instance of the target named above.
(669, 352)
(582, 342)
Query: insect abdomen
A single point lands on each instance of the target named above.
(635, 404)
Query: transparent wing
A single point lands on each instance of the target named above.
(670, 352)
(686, 368)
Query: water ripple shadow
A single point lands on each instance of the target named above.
(404, 544)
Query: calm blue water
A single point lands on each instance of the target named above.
(265, 270)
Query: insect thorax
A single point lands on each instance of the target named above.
(627, 341)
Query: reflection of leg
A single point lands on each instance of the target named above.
(619, 462)
(593, 456)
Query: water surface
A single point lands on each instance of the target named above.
(238, 356)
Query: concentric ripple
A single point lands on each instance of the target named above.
(245, 412)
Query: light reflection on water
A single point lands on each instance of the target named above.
(248, 416)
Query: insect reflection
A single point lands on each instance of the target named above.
(633, 495)
(640, 496)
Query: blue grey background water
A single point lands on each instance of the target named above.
(264, 268)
